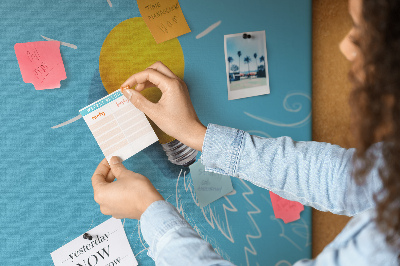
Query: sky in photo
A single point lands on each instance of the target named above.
(248, 47)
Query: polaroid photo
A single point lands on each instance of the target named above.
(246, 64)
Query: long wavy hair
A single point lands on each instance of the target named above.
(375, 103)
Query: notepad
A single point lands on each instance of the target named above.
(118, 126)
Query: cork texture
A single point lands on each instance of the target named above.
(331, 89)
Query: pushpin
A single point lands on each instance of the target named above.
(246, 36)
(87, 236)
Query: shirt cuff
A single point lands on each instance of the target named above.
(222, 148)
(157, 220)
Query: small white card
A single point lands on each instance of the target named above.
(109, 246)
(118, 126)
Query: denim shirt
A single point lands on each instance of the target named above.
(312, 173)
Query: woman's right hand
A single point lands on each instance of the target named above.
(174, 112)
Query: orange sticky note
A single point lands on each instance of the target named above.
(164, 18)
(41, 64)
(284, 209)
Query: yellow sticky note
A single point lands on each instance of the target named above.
(164, 19)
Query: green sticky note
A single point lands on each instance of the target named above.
(209, 186)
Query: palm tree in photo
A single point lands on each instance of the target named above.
(239, 53)
(247, 60)
(262, 59)
(255, 60)
(230, 59)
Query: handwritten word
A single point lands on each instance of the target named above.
(200, 188)
(89, 246)
(153, 6)
(164, 11)
(100, 114)
(93, 259)
(169, 24)
(122, 102)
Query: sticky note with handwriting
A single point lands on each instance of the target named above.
(209, 186)
(118, 126)
(164, 18)
(108, 246)
(284, 209)
(41, 63)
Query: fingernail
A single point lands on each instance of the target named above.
(129, 92)
(127, 87)
(115, 160)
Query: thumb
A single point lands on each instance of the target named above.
(117, 167)
(138, 100)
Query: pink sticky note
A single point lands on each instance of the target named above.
(41, 64)
(284, 209)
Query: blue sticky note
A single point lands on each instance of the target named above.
(209, 186)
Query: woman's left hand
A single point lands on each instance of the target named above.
(127, 197)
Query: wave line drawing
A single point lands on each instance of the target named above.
(296, 107)
(70, 45)
(208, 30)
(76, 118)
(251, 250)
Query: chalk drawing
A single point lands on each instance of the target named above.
(73, 46)
(283, 262)
(76, 118)
(296, 107)
(251, 250)
(109, 3)
(208, 30)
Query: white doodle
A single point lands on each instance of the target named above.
(76, 118)
(283, 262)
(73, 46)
(252, 250)
(208, 30)
(109, 3)
(296, 107)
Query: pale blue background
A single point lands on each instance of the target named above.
(46, 196)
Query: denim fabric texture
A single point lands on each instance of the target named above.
(312, 173)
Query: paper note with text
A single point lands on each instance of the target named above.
(284, 209)
(108, 246)
(118, 126)
(209, 186)
(41, 64)
(164, 18)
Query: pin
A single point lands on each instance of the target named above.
(246, 36)
(87, 236)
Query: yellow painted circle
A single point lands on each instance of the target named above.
(130, 48)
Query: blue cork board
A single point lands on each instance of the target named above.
(46, 197)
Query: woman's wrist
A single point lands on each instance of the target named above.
(195, 137)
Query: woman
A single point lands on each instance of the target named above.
(362, 182)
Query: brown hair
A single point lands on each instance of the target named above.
(375, 103)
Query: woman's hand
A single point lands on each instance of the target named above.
(128, 197)
(174, 112)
